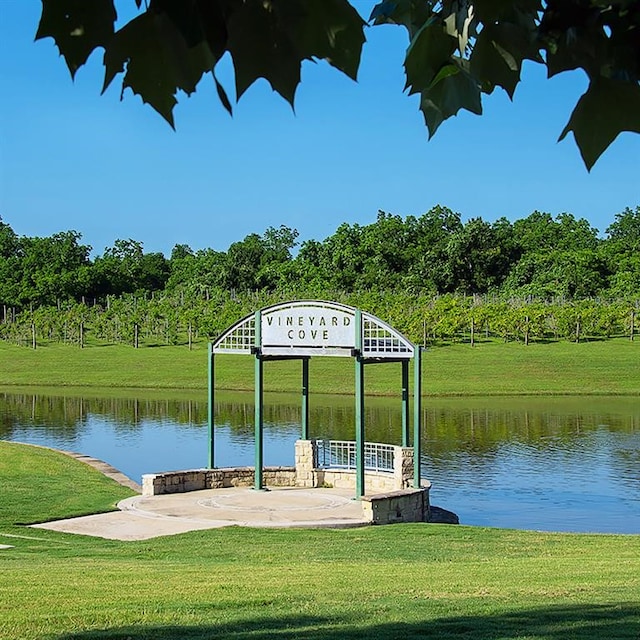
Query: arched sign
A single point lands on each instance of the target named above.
(314, 328)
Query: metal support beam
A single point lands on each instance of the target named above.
(360, 438)
(259, 416)
(417, 413)
(405, 403)
(305, 398)
(210, 408)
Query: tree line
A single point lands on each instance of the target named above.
(540, 256)
(434, 277)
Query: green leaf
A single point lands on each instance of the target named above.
(429, 51)
(157, 61)
(498, 53)
(271, 39)
(492, 63)
(410, 14)
(222, 95)
(584, 48)
(331, 30)
(607, 108)
(453, 89)
(260, 49)
(214, 26)
(497, 11)
(78, 27)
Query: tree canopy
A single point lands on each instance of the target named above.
(457, 50)
(538, 257)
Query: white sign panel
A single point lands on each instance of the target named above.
(311, 327)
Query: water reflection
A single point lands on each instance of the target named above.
(543, 463)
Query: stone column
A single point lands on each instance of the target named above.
(305, 463)
(403, 467)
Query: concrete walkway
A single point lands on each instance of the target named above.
(143, 517)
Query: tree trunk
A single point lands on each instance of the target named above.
(632, 325)
(473, 332)
(190, 334)
(81, 335)
(135, 335)
(34, 343)
(526, 331)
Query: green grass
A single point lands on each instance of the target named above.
(492, 368)
(399, 581)
(28, 472)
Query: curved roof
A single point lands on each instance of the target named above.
(313, 327)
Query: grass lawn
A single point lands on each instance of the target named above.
(399, 581)
(493, 368)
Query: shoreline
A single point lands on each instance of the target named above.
(103, 467)
(79, 390)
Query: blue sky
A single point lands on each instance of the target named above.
(72, 159)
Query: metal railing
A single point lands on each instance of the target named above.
(341, 454)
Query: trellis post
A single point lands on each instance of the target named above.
(305, 399)
(360, 488)
(210, 408)
(405, 403)
(259, 416)
(417, 413)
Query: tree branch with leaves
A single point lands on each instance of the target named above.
(457, 50)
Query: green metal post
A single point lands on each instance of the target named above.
(360, 482)
(405, 403)
(258, 403)
(305, 398)
(210, 408)
(417, 413)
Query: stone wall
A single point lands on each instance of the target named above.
(154, 484)
(408, 505)
(305, 474)
(346, 479)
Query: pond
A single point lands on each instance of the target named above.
(552, 464)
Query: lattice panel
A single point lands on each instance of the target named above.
(381, 340)
(239, 339)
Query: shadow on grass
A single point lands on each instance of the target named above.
(583, 622)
